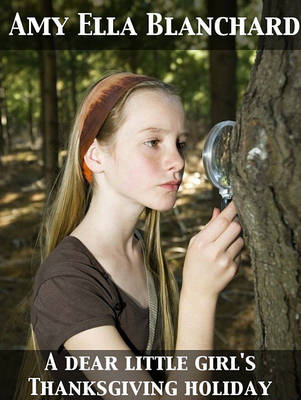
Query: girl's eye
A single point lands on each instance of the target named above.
(151, 143)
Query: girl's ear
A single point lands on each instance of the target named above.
(93, 158)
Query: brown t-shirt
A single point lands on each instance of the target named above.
(73, 293)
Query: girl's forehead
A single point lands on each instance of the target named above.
(149, 104)
(151, 112)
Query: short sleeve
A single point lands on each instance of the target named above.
(67, 305)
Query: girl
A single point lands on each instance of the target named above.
(102, 286)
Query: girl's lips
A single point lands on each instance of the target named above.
(171, 186)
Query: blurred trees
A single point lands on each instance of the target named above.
(207, 80)
(222, 72)
(200, 85)
(20, 91)
(42, 91)
(76, 70)
(222, 61)
(2, 142)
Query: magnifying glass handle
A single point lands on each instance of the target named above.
(224, 202)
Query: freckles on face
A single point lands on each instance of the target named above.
(143, 157)
(135, 168)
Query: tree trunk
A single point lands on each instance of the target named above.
(5, 139)
(42, 117)
(222, 72)
(6, 119)
(222, 85)
(50, 112)
(222, 65)
(133, 59)
(266, 183)
(30, 114)
(73, 68)
(2, 141)
(266, 167)
(49, 107)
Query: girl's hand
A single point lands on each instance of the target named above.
(212, 256)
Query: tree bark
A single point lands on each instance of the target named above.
(266, 167)
(266, 182)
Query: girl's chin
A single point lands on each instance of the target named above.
(165, 207)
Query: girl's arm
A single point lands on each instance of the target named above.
(211, 263)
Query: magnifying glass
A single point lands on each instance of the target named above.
(216, 159)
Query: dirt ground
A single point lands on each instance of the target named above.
(21, 205)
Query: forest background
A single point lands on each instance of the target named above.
(39, 94)
(23, 187)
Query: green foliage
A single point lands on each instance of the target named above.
(189, 72)
(21, 86)
(77, 70)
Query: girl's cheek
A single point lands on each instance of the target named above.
(143, 169)
(151, 156)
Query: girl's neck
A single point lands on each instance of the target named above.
(109, 226)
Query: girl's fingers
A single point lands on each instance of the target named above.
(218, 225)
(215, 213)
(235, 249)
(228, 236)
(237, 260)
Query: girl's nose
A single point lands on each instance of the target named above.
(174, 160)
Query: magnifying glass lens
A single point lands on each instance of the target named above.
(221, 157)
(216, 158)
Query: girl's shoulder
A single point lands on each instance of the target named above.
(69, 258)
(70, 295)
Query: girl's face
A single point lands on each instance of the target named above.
(147, 164)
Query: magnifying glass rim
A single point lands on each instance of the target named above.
(207, 151)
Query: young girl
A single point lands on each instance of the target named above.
(105, 285)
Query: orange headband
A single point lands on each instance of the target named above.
(97, 107)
